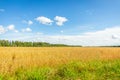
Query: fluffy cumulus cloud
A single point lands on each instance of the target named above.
(29, 22)
(2, 30)
(44, 20)
(60, 20)
(11, 28)
(27, 30)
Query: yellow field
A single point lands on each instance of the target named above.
(14, 57)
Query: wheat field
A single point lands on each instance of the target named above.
(12, 58)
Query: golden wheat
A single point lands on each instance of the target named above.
(12, 58)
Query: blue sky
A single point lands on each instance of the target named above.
(76, 22)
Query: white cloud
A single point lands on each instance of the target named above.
(44, 20)
(11, 27)
(8, 28)
(29, 22)
(98, 38)
(27, 30)
(115, 37)
(2, 10)
(108, 36)
(105, 37)
(2, 30)
(60, 20)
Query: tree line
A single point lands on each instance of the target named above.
(7, 43)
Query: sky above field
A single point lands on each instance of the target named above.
(74, 22)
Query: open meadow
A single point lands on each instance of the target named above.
(59, 63)
(59, 39)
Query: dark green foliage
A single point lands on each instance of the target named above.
(6, 43)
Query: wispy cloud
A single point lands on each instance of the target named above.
(29, 22)
(27, 30)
